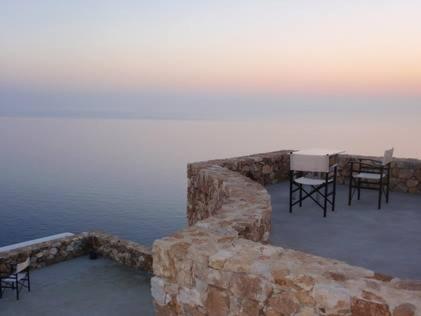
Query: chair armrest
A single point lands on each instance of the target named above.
(367, 166)
(373, 161)
(366, 162)
(370, 166)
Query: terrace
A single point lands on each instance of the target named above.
(229, 262)
(64, 281)
(387, 241)
(83, 287)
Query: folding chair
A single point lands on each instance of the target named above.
(371, 174)
(18, 279)
(315, 172)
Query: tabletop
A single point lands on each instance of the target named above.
(320, 152)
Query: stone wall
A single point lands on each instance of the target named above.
(123, 251)
(202, 273)
(273, 167)
(221, 266)
(205, 193)
(50, 252)
(46, 253)
(405, 173)
(238, 208)
(265, 168)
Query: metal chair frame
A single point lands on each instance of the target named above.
(14, 282)
(322, 189)
(369, 166)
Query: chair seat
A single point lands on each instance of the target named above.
(12, 279)
(310, 181)
(369, 176)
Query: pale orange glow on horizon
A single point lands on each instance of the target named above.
(319, 47)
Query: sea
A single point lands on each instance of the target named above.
(126, 175)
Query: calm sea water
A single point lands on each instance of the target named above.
(128, 177)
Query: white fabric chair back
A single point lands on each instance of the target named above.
(309, 163)
(23, 265)
(388, 156)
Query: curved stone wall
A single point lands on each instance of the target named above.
(261, 168)
(220, 265)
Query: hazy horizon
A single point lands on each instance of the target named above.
(208, 59)
(16, 102)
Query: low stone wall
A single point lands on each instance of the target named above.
(202, 273)
(50, 252)
(405, 173)
(270, 168)
(232, 202)
(273, 167)
(181, 262)
(46, 253)
(205, 194)
(221, 266)
(265, 168)
(126, 252)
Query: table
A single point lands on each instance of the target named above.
(319, 152)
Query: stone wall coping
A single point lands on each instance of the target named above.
(34, 241)
(252, 157)
(397, 159)
(275, 154)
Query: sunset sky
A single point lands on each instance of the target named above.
(304, 46)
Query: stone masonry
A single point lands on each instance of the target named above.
(222, 264)
(50, 252)
(128, 253)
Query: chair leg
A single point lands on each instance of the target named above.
(29, 283)
(359, 189)
(301, 195)
(290, 191)
(1, 289)
(350, 191)
(380, 194)
(326, 193)
(334, 192)
(17, 291)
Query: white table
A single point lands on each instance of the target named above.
(320, 152)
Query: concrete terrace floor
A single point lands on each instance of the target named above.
(387, 241)
(82, 287)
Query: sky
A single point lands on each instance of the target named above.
(272, 47)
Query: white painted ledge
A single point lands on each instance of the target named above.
(34, 241)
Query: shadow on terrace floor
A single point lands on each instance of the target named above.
(387, 241)
(82, 287)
